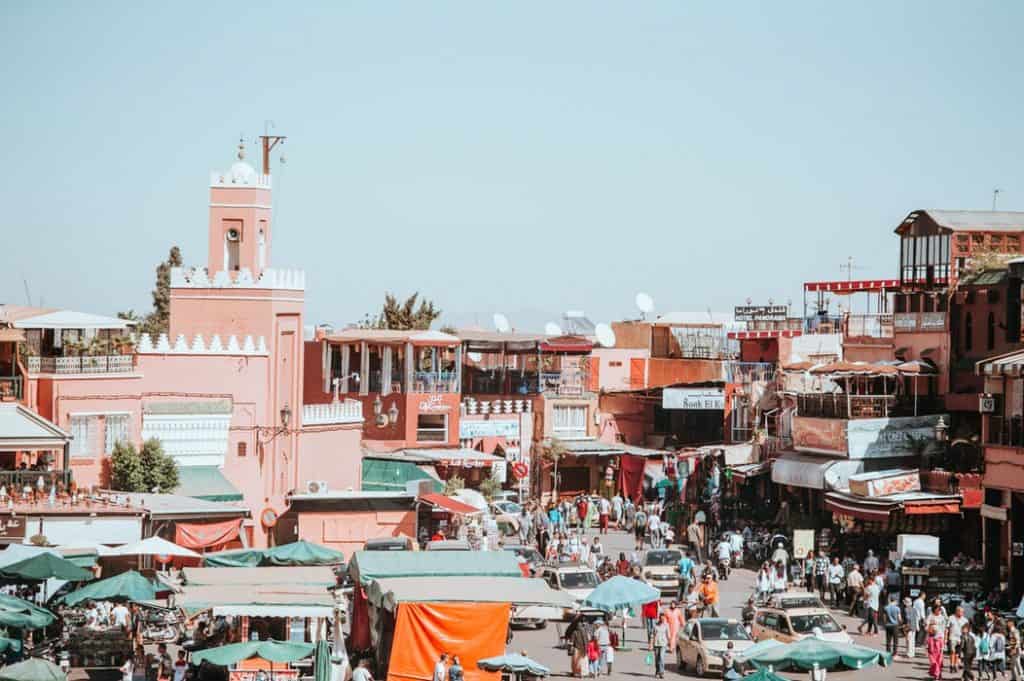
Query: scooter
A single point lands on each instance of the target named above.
(723, 568)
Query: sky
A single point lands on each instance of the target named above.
(526, 158)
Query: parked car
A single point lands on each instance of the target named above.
(661, 569)
(701, 642)
(788, 624)
(506, 507)
(528, 553)
(448, 545)
(388, 544)
(575, 579)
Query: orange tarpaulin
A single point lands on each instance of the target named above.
(203, 535)
(423, 631)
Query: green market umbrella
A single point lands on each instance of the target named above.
(21, 614)
(764, 675)
(127, 586)
(322, 662)
(812, 651)
(304, 553)
(9, 644)
(239, 558)
(270, 650)
(32, 669)
(46, 566)
(620, 592)
(758, 648)
(512, 662)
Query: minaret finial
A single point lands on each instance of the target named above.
(241, 148)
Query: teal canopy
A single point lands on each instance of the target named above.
(808, 652)
(127, 586)
(21, 614)
(620, 592)
(322, 662)
(367, 565)
(270, 650)
(302, 553)
(758, 648)
(764, 674)
(46, 566)
(9, 644)
(512, 662)
(32, 669)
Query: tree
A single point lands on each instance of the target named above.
(156, 322)
(403, 316)
(148, 470)
(489, 487)
(453, 485)
(554, 452)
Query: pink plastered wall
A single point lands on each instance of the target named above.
(331, 453)
(347, 531)
(613, 371)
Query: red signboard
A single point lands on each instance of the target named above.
(824, 436)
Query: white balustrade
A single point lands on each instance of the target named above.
(342, 411)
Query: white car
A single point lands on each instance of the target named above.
(574, 579)
(702, 642)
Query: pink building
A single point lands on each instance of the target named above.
(223, 390)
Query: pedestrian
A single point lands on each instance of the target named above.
(764, 582)
(821, 575)
(893, 619)
(362, 671)
(870, 563)
(661, 634)
(984, 653)
(617, 511)
(640, 527)
(997, 652)
(1013, 650)
(779, 584)
(604, 509)
(604, 642)
(128, 668)
(692, 604)
(693, 536)
(709, 596)
(935, 625)
(582, 508)
(854, 589)
(650, 615)
(911, 625)
(808, 576)
(593, 657)
(674, 618)
(180, 666)
(654, 529)
(578, 633)
(164, 664)
(728, 661)
(969, 650)
(629, 512)
(622, 566)
(685, 574)
(872, 594)
(836, 580)
(922, 613)
(441, 668)
(954, 630)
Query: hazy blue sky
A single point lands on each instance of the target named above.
(522, 157)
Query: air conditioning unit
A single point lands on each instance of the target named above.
(317, 487)
(986, 403)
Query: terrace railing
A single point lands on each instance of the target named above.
(87, 364)
(18, 480)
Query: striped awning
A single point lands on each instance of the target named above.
(879, 508)
(1011, 364)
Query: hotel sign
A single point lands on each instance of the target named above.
(753, 313)
(892, 437)
(501, 428)
(433, 404)
(693, 398)
(12, 527)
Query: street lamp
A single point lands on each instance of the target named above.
(286, 416)
(941, 431)
(393, 413)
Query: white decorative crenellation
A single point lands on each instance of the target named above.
(228, 178)
(342, 411)
(198, 277)
(200, 345)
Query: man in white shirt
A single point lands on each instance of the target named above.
(121, 616)
(654, 529)
(736, 543)
(617, 511)
(362, 672)
(836, 577)
(440, 669)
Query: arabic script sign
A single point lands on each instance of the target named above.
(12, 527)
(434, 403)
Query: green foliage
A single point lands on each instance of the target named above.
(489, 487)
(156, 322)
(403, 316)
(554, 450)
(147, 470)
(453, 485)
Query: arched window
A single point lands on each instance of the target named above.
(991, 331)
(968, 332)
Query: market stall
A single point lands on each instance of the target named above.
(247, 659)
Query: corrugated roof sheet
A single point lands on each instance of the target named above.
(366, 565)
(317, 575)
(979, 220)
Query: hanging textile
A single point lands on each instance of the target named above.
(631, 476)
(205, 535)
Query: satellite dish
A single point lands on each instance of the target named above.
(552, 329)
(501, 323)
(475, 356)
(605, 335)
(644, 302)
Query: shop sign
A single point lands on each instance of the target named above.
(499, 471)
(892, 437)
(12, 527)
(822, 436)
(693, 398)
(803, 542)
(433, 404)
(750, 313)
(492, 428)
(993, 512)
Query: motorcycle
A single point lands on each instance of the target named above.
(723, 568)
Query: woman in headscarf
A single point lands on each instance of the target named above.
(675, 618)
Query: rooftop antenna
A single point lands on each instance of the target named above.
(269, 142)
(644, 303)
(849, 267)
(501, 324)
(995, 196)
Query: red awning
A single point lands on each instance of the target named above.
(852, 286)
(448, 504)
(857, 509)
(932, 508)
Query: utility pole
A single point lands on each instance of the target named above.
(995, 196)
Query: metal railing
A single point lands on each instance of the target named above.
(342, 411)
(748, 372)
(843, 406)
(435, 382)
(18, 480)
(1008, 432)
(88, 364)
(823, 324)
(377, 382)
(869, 326)
(10, 387)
